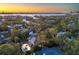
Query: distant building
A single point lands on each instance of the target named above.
(26, 21)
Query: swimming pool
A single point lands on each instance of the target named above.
(49, 51)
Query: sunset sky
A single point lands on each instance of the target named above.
(38, 7)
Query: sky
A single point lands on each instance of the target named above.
(39, 7)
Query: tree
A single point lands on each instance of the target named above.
(74, 18)
(63, 24)
(53, 31)
(3, 27)
(23, 36)
(0, 18)
(14, 34)
(52, 43)
(7, 49)
(71, 48)
(42, 37)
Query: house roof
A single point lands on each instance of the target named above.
(60, 33)
(31, 33)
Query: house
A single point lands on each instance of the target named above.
(31, 33)
(10, 28)
(32, 38)
(25, 48)
(3, 37)
(19, 26)
(61, 33)
(32, 41)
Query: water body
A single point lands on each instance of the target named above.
(49, 51)
(32, 14)
(41, 14)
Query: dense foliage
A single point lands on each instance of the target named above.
(47, 28)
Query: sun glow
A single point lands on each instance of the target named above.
(10, 7)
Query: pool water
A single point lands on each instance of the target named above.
(49, 51)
